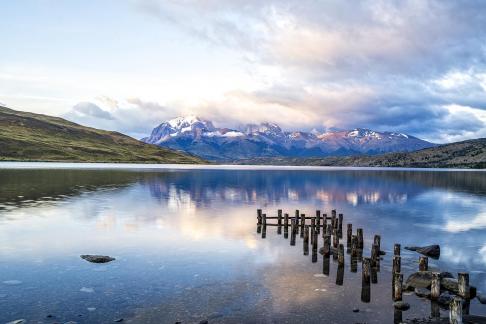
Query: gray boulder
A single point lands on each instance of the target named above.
(432, 251)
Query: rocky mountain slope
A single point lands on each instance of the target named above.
(33, 137)
(202, 138)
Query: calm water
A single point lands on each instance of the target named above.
(187, 249)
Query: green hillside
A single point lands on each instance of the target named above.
(470, 154)
(33, 137)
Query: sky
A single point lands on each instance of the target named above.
(417, 67)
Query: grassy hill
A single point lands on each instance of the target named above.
(33, 137)
(470, 154)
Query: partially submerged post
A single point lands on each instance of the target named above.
(264, 224)
(377, 241)
(324, 225)
(354, 246)
(286, 225)
(313, 228)
(259, 216)
(365, 281)
(397, 286)
(349, 235)
(435, 286)
(375, 256)
(318, 221)
(292, 232)
(340, 225)
(335, 238)
(396, 249)
(455, 310)
(359, 234)
(302, 224)
(423, 263)
(327, 246)
(326, 260)
(340, 275)
(396, 268)
(306, 240)
(463, 285)
(279, 217)
(341, 255)
(314, 246)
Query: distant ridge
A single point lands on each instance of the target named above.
(470, 154)
(200, 137)
(33, 137)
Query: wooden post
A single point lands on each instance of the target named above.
(366, 271)
(340, 275)
(455, 310)
(374, 275)
(297, 217)
(359, 234)
(397, 286)
(292, 232)
(335, 238)
(264, 224)
(314, 246)
(375, 257)
(286, 225)
(327, 246)
(397, 316)
(377, 241)
(354, 246)
(306, 240)
(333, 219)
(326, 260)
(354, 264)
(434, 309)
(279, 215)
(318, 221)
(340, 225)
(396, 249)
(302, 224)
(435, 286)
(324, 224)
(259, 216)
(423, 263)
(396, 268)
(329, 229)
(463, 283)
(313, 225)
(264, 219)
(341, 255)
(350, 234)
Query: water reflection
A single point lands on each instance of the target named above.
(183, 235)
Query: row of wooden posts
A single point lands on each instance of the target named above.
(332, 232)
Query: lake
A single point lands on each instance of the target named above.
(187, 249)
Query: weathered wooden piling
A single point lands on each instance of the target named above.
(396, 249)
(349, 235)
(292, 232)
(340, 275)
(302, 224)
(375, 256)
(397, 264)
(313, 228)
(397, 286)
(335, 238)
(423, 263)
(374, 275)
(340, 225)
(279, 215)
(333, 219)
(377, 241)
(324, 225)
(264, 231)
(306, 240)
(397, 316)
(259, 216)
(286, 225)
(463, 285)
(329, 229)
(259, 229)
(326, 261)
(359, 234)
(314, 246)
(341, 255)
(455, 310)
(366, 271)
(434, 309)
(318, 221)
(297, 213)
(327, 246)
(435, 286)
(353, 264)
(354, 246)
(264, 219)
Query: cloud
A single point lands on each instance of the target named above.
(399, 65)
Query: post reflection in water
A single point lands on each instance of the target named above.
(180, 236)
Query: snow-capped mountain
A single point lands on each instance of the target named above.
(201, 137)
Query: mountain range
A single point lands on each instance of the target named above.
(200, 137)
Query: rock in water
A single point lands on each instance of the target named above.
(432, 251)
(422, 292)
(420, 279)
(97, 258)
(482, 298)
(401, 305)
(445, 299)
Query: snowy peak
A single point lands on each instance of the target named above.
(200, 137)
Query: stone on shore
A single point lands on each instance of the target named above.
(401, 305)
(97, 258)
(432, 251)
(422, 292)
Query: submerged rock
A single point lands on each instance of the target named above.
(419, 279)
(445, 299)
(482, 298)
(401, 305)
(97, 258)
(432, 251)
(422, 292)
